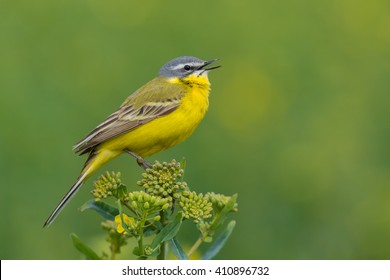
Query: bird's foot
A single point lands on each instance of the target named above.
(144, 163)
(141, 162)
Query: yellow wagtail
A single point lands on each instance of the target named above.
(159, 115)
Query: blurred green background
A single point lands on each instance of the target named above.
(298, 125)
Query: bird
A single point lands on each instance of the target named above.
(160, 114)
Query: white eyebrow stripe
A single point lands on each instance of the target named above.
(181, 65)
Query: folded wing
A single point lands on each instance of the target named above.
(156, 99)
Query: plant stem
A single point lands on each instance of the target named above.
(141, 235)
(163, 250)
(195, 247)
(113, 255)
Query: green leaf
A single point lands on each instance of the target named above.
(225, 210)
(177, 249)
(107, 211)
(219, 242)
(121, 191)
(84, 249)
(149, 231)
(168, 232)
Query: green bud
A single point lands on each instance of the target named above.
(176, 195)
(148, 250)
(157, 202)
(157, 218)
(165, 206)
(208, 239)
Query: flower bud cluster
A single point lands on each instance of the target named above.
(219, 201)
(163, 180)
(143, 202)
(195, 206)
(108, 184)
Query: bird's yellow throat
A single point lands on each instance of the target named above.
(201, 82)
(197, 95)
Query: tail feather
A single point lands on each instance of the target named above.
(95, 159)
(76, 186)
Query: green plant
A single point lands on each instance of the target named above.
(157, 211)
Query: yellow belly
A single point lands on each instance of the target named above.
(164, 132)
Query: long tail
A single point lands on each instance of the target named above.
(76, 186)
(96, 159)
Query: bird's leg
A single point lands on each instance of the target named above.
(141, 162)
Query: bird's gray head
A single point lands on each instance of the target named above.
(186, 65)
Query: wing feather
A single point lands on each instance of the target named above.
(157, 98)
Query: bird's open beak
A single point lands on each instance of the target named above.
(208, 63)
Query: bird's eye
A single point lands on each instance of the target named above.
(187, 67)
